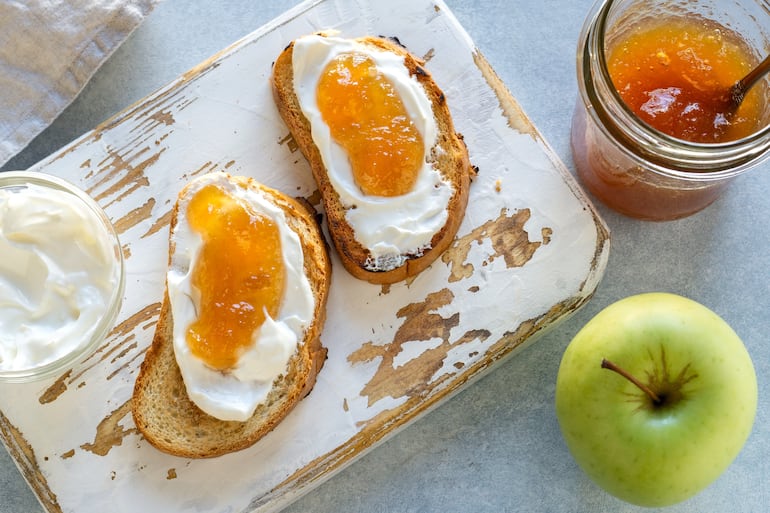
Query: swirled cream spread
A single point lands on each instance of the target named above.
(225, 382)
(58, 271)
(390, 227)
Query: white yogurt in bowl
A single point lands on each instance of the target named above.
(61, 275)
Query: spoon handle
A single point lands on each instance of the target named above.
(738, 91)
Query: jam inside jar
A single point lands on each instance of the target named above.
(675, 74)
(653, 134)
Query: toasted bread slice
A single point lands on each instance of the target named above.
(161, 408)
(449, 156)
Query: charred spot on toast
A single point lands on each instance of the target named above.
(307, 205)
(393, 39)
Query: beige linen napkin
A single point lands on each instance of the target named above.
(49, 49)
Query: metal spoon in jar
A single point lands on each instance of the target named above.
(739, 89)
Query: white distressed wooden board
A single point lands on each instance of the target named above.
(531, 250)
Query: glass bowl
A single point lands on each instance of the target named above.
(61, 276)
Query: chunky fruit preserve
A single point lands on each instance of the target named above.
(368, 119)
(676, 74)
(240, 275)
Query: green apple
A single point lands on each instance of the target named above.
(655, 396)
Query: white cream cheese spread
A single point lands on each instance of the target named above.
(389, 227)
(234, 394)
(58, 273)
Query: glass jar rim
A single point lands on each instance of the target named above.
(678, 157)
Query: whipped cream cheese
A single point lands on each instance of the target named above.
(58, 274)
(236, 393)
(389, 227)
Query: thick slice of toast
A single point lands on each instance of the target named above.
(165, 415)
(449, 155)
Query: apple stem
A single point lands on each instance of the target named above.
(606, 364)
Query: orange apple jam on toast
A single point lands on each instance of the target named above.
(239, 274)
(676, 75)
(367, 118)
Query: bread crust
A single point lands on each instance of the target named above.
(450, 156)
(161, 409)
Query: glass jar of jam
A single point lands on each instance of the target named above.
(653, 134)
